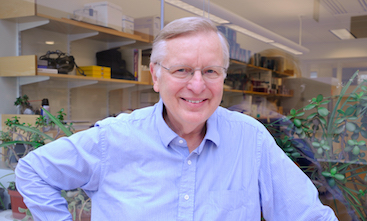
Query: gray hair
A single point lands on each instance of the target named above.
(182, 26)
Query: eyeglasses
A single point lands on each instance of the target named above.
(186, 72)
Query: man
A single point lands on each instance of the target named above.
(183, 159)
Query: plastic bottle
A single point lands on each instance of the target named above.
(46, 106)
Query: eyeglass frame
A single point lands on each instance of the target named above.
(193, 71)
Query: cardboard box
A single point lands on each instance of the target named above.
(108, 14)
(127, 24)
(97, 71)
(148, 25)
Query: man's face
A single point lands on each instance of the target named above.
(193, 101)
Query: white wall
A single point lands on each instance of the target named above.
(340, 50)
(7, 85)
(8, 91)
(325, 57)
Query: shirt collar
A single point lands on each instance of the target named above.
(212, 128)
(167, 134)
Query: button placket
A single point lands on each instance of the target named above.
(187, 189)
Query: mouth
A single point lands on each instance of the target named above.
(194, 101)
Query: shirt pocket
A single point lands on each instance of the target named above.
(227, 199)
(226, 205)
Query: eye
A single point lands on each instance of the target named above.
(180, 70)
(212, 72)
(209, 71)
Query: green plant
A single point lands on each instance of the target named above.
(332, 143)
(33, 137)
(28, 214)
(23, 102)
(77, 201)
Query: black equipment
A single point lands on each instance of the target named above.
(112, 58)
(64, 63)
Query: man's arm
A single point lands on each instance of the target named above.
(66, 163)
(286, 192)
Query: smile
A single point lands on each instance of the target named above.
(194, 102)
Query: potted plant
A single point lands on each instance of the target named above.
(31, 137)
(329, 146)
(79, 204)
(2, 197)
(23, 103)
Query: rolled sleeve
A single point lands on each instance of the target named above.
(64, 164)
(286, 192)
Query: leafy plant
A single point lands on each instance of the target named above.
(23, 102)
(77, 201)
(330, 144)
(30, 136)
(28, 214)
(33, 137)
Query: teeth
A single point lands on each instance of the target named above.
(195, 102)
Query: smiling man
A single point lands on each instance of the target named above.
(190, 82)
(185, 158)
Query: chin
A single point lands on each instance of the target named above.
(195, 118)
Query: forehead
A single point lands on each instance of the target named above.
(195, 48)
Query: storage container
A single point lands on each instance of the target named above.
(97, 71)
(127, 24)
(108, 14)
(148, 25)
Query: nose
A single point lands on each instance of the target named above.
(196, 83)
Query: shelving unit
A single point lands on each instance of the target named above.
(245, 98)
(239, 64)
(24, 67)
(27, 15)
(259, 93)
(250, 67)
(77, 30)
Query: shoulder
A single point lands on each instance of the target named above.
(237, 118)
(124, 118)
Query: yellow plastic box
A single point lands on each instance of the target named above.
(97, 71)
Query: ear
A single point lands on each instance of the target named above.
(153, 71)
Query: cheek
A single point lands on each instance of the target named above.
(217, 89)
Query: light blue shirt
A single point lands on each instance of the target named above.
(134, 167)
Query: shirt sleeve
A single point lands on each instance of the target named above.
(286, 191)
(64, 164)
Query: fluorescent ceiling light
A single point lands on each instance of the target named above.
(238, 23)
(196, 11)
(286, 48)
(49, 42)
(342, 34)
(250, 33)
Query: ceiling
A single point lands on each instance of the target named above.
(301, 21)
(292, 19)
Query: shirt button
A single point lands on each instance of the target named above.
(186, 197)
(180, 141)
(189, 162)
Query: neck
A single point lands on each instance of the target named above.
(193, 134)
